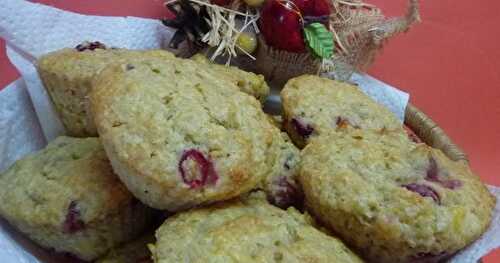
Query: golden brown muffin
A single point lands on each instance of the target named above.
(313, 106)
(179, 135)
(67, 198)
(67, 75)
(246, 230)
(391, 199)
(249, 82)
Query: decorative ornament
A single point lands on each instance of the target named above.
(281, 25)
(319, 39)
(290, 32)
(247, 42)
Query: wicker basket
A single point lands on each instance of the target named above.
(432, 134)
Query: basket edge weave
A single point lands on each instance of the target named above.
(432, 134)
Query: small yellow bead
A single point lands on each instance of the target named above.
(247, 42)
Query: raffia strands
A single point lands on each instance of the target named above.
(360, 30)
(224, 28)
(397, 25)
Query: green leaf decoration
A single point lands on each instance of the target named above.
(319, 39)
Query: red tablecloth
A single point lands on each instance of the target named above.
(448, 64)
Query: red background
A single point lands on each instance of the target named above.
(448, 64)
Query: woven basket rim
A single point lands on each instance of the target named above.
(432, 134)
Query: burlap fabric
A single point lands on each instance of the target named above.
(359, 29)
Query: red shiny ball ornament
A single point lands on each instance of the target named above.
(314, 8)
(280, 23)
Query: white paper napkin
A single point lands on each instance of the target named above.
(32, 30)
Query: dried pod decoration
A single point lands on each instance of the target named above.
(190, 21)
(216, 24)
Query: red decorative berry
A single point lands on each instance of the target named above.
(281, 25)
(304, 130)
(314, 10)
(73, 223)
(207, 174)
(424, 190)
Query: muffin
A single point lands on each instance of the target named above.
(178, 134)
(313, 106)
(135, 251)
(67, 198)
(250, 83)
(245, 230)
(393, 200)
(67, 76)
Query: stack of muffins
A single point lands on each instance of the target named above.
(187, 140)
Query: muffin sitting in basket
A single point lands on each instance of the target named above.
(283, 39)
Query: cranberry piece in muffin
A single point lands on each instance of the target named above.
(90, 46)
(195, 178)
(304, 130)
(73, 222)
(424, 190)
(433, 176)
(413, 137)
(286, 194)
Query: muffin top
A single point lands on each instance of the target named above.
(66, 186)
(391, 199)
(246, 230)
(248, 82)
(86, 63)
(313, 106)
(177, 126)
(83, 64)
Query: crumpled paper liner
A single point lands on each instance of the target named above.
(27, 119)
